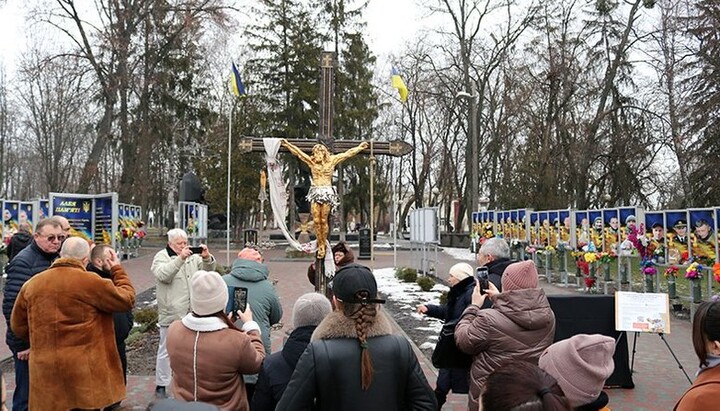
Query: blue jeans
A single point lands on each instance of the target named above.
(22, 384)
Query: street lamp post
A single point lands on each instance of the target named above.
(473, 186)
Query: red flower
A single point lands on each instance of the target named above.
(684, 256)
(589, 281)
(584, 266)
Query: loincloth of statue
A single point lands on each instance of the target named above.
(324, 195)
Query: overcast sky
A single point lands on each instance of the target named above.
(390, 23)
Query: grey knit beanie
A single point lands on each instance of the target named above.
(310, 309)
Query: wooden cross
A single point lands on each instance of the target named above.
(394, 148)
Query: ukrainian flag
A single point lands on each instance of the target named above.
(399, 84)
(236, 84)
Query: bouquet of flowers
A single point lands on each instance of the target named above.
(716, 271)
(648, 267)
(606, 257)
(590, 257)
(694, 271)
(671, 271)
(549, 250)
(530, 249)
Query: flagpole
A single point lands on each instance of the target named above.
(229, 165)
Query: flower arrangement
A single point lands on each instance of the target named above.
(606, 257)
(694, 271)
(589, 282)
(590, 257)
(648, 267)
(716, 271)
(549, 250)
(127, 232)
(515, 243)
(530, 249)
(671, 271)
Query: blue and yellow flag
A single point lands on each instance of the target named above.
(236, 84)
(399, 84)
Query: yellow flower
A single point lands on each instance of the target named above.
(590, 257)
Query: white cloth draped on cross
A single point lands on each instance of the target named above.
(279, 200)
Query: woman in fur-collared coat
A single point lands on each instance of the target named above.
(354, 348)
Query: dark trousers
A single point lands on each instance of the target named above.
(22, 384)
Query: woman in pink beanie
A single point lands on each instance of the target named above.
(703, 395)
(519, 326)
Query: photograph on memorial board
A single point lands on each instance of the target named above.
(121, 216)
(26, 213)
(43, 209)
(543, 226)
(677, 236)
(703, 235)
(564, 231)
(504, 223)
(642, 312)
(11, 212)
(490, 226)
(611, 221)
(78, 211)
(522, 217)
(553, 217)
(515, 225)
(582, 229)
(534, 228)
(475, 223)
(655, 234)
(596, 229)
(628, 220)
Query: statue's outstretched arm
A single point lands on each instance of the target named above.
(295, 150)
(340, 157)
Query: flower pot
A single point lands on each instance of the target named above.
(606, 271)
(649, 283)
(672, 292)
(696, 290)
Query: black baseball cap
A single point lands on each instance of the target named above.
(352, 279)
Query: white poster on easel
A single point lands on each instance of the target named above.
(642, 312)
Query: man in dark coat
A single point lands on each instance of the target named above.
(19, 240)
(495, 255)
(36, 257)
(99, 264)
(308, 311)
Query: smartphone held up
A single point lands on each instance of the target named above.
(482, 276)
(239, 301)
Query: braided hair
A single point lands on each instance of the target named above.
(364, 316)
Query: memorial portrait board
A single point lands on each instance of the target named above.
(677, 236)
(703, 237)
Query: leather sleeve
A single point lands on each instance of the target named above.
(300, 392)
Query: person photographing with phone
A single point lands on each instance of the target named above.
(494, 255)
(172, 268)
(518, 327)
(208, 353)
(462, 284)
(249, 272)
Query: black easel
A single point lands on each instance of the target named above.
(662, 337)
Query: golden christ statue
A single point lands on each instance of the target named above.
(322, 195)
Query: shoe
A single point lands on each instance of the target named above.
(160, 392)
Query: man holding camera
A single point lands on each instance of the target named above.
(173, 267)
(495, 255)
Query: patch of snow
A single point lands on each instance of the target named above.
(460, 254)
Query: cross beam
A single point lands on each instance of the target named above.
(395, 148)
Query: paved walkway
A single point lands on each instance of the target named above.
(659, 382)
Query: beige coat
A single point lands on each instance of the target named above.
(518, 327)
(173, 283)
(211, 371)
(66, 314)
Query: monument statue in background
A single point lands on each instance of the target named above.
(322, 196)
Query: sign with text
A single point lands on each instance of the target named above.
(92, 216)
(642, 312)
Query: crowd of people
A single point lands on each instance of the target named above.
(68, 305)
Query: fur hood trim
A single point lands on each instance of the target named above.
(337, 325)
(203, 324)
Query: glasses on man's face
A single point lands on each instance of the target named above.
(52, 238)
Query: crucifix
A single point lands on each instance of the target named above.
(325, 154)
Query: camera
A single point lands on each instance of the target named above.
(482, 276)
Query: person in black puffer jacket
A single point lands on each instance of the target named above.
(33, 259)
(308, 311)
(123, 321)
(495, 255)
(462, 283)
(19, 241)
